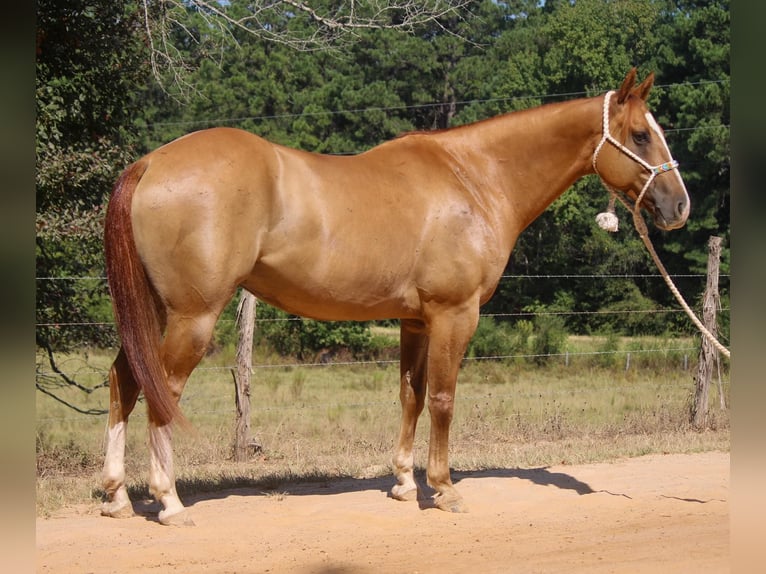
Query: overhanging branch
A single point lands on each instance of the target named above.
(162, 19)
(70, 405)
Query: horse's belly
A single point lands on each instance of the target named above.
(334, 298)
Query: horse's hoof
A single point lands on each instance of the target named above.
(178, 519)
(400, 492)
(113, 510)
(448, 503)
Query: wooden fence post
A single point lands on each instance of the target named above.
(245, 328)
(708, 352)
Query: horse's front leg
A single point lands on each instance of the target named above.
(123, 392)
(449, 335)
(414, 349)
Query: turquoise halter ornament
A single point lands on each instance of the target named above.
(608, 220)
(667, 166)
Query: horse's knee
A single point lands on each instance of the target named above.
(441, 406)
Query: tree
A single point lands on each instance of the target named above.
(588, 45)
(559, 51)
(89, 59)
(303, 26)
(695, 64)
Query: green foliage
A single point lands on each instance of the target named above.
(500, 339)
(695, 62)
(630, 313)
(605, 353)
(590, 44)
(225, 334)
(295, 336)
(89, 60)
(550, 336)
(490, 339)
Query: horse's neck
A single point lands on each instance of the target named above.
(535, 155)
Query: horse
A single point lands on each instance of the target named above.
(419, 228)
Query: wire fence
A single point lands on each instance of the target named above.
(680, 352)
(515, 314)
(192, 405)
(429, 105)
(198, 406)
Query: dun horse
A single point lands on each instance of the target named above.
(419, 228)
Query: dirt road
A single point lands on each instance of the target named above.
(659, 513)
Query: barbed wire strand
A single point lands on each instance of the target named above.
(493, 315)
(371, 109)
(189, 397)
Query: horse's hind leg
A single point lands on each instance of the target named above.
(184, 345)
(414, 346)
(123, 392)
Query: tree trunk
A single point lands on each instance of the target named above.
(710, 304)
(245, 327)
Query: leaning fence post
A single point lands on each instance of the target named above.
(245, 328)
(708, 352)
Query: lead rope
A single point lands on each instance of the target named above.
(608, 220)
(643, 232)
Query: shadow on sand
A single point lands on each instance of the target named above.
(193, 491)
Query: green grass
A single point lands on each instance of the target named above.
(319, 422)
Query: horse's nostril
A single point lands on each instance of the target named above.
(681, 208)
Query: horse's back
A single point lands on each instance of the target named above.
(326, 236)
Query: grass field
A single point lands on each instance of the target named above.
(324, 421)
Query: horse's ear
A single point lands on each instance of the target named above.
(627, 86)
(642, 91)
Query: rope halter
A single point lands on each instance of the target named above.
(608, 220)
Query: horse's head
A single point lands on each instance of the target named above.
(638, 161)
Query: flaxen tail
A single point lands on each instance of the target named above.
(133, 301)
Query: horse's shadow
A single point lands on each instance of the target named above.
(540, 476)
(193, 491)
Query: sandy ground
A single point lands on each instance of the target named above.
(663, 513)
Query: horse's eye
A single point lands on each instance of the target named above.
(641, 138)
